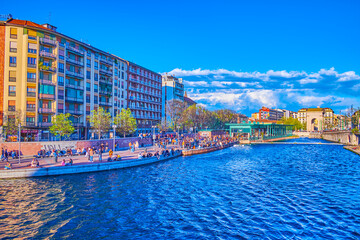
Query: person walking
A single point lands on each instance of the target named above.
(91, 154)
(2, 154)
(55, 156)
(130, 145)
(6, 154)
(87, 154)
(100, 154)
(111, 153)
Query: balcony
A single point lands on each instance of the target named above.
(106, 81)
(79, 87)
(46, 96)
(31, 94)
(106, 72)
(74, 99)
(12, 79)
(73, 61)
(75, 50)
(11, 108)
(74, 74)
(46, 82)
(104, 92)
(45, 124)
(30, 109)
(46, 41)
(46, 110)
(105, 103)
(31, 80)
(31, 65)
(30, 124)
(105, 61)
(47, 69)
(76, 112)
(12, 64)
(47, 55)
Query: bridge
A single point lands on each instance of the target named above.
(299, 143)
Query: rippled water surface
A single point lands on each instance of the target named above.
(257, 192)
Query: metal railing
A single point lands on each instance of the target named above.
(47, 54)
(47, 41)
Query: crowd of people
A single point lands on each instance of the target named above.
(6, 154)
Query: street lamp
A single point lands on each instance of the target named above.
(19, 142)
(154, 136)
(114, 127)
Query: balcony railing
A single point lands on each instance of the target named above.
(47, 54)
(74, 61)
(104, 92)
(106, 61)
(30, 124)
(46, 110)
(12, 79)
(46, 82)
(74, 99)
(78, 75)
(45, 124)
(12, 64)
(109, 82)
(106, 72)
(81, 87)
(31, 94)
(105, 103)
(31, 80)
(31, 65)
(46, 96)
(47, 69)
(75, 50)
(30, 109)
(77, 112)
(11, 108)
(47, 41)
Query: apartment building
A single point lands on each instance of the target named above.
(172, 89)
(270, 114)
(144, 97)
(43, 73)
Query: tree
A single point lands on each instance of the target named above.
(291, 121)
(100, 120)
(226, 116)
(12, 121)
(125, 122)
(174, 110)
(62, 125)
(163, 126)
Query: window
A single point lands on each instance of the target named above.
(13, 47)
(96, 65)
(30, 106)
(12, 90)
(31, 62)
(88, 98)
(88, 87)
(96, 77)
(31, 92)
(12, 61)
(32, 48)
(13, 33)
(46, 89)
(61, 67)
(11, 105)
(96, 99)
(31, 77)
(30, 119)
(88, 74)
(12, 76)
(60, 80)
(88, 63)
(96, 87)
(60, 94)
(122, 75)
(61, 54)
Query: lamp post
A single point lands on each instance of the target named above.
(178, 133)
(19, 141)
(114, 127)
(154, 136)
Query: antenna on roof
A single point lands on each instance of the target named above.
(6, 16)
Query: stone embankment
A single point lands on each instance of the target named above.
(343, 137)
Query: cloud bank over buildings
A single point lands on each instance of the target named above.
(248, 91)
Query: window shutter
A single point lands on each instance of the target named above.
(11, 102)
(12, 74)
(32, 46)
(13, 31)
(32, 33)
(13, 44)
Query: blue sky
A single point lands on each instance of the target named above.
(221, 37)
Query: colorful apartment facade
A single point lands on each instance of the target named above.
(270, 114)
(44, 73)
(316, 119)
(144, 97)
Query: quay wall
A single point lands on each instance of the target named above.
(32, 148)
(345, 137)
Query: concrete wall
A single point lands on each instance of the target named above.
(32, 148)
(345, 137)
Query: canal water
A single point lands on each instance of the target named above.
(249, 192)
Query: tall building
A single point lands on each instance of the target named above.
(172, 89)
(144, 97)
(44, 73)
(316, 119)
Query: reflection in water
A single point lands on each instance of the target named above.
(258, 191)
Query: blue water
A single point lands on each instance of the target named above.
(250, 192)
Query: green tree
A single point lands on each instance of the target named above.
(163, 126)
(174, 110)
(62, 125)
(12, 119)
(100, 120)
(125, 122)
(292, 121)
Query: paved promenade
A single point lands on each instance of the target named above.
(80, 160)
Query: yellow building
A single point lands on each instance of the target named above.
(43, 73)
(316, 119)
